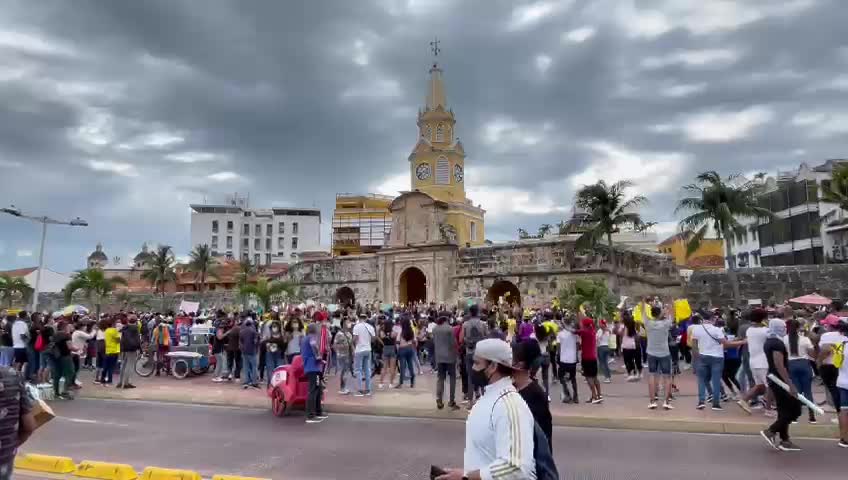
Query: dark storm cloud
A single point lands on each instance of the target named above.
(125, 112)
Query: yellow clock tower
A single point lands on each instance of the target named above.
(437, 163)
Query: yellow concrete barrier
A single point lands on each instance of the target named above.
(105, 471)
(236, 477)
(156, 473)
(44, 463)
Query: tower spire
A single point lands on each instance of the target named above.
(436, 87)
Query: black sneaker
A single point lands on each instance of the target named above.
(842, 444)
(439, 404)
(717, 408)
(701, 406)
(788, 446)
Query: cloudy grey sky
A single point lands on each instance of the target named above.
(123, 113)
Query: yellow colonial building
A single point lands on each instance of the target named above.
(710, 254)
(437, 165)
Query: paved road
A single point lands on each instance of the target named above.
(253, 442)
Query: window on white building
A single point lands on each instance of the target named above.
(442, 171)
(281, 242)
(269, 230)
(245, 243)
(267, 259)
(214, 226)
(294, 243)
(294, 228)
(473, 232)
(281, 227)
(258, 230)
(268, 244)
(229, 226)
(214, 242)
(246, 229)
(257, 244)
(229, 242)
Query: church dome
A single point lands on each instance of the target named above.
(98, 254)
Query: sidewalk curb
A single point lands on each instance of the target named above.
(580, 421)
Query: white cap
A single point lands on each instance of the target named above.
(494, 350)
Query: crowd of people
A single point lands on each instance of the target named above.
(735, 354)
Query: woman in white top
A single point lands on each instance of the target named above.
(801, 350)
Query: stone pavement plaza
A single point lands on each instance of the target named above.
(625, 404)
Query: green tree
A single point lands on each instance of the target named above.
(12, 286)
(265, 290)
(202, 263)
(837, 192)
(245, 271)
(95, 286)
(545, 229)
(161, 269)
(593, 295)
(522, 234)
(609, 210)
(717, 203)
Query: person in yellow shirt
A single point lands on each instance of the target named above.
(113, 348)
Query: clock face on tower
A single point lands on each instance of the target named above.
(423, 171)
(457, 173)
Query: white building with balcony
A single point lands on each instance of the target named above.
(805, 230)
(261, 235)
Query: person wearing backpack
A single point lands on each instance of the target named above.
(130, 345)
(834, 347)
(829, 342)
(473, 331)
(500, 429)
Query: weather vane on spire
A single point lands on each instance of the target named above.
(434, 46)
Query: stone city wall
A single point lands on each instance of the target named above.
(769, 284)
(321, 279)
(540, 269)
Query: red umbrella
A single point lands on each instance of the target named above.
(812, 299)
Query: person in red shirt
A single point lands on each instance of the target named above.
(589, 359)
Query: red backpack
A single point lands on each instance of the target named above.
(39, 343)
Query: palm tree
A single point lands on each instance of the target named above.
(202, 263)
(245, 271)
(94, 284)
(264, 290)
(609, 210)
(522, 234)
(10, 286)
(837, 192)
(716, 203)
(545, 229)
(161, 270)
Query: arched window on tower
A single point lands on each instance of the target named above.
(429, 136)
(442, 171)
(440, 133)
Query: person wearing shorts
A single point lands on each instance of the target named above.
(657, 329)
(589, 359)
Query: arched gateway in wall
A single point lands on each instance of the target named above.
(506, 289)
(412, 286)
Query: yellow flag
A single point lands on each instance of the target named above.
(682, 310)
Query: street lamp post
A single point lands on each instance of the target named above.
(44, 221)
